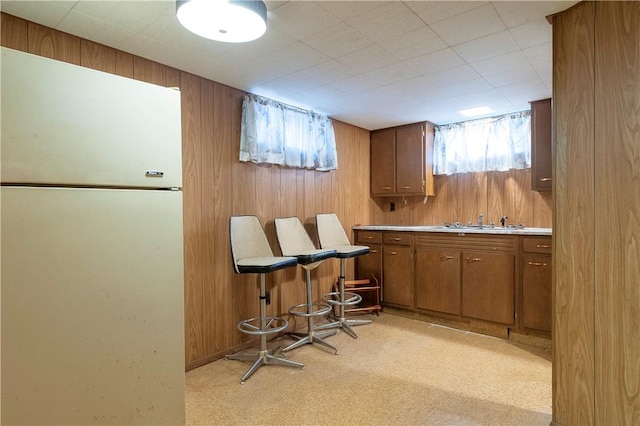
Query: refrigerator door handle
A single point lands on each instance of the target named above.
(154, 173)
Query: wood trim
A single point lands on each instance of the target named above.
(14, 32)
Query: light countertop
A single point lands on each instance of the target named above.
(464, 230)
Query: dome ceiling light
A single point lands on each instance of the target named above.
(231, 21)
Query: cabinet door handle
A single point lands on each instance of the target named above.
(473, 259)
(547, 179)
(385, 188)
(405, 187)
(537, 263)
(393, 253)
(373, 251)
(543, 246)
(442, 257)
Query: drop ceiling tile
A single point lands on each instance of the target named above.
(505, 78)
(469, 25)
(294, 82)
(414, 43)
(296, 57)
(329, 71)
(487, 47)
(509, 62)
(390, 20)
(434, 11)
(393, 73)
(346, 10)
(356, 84)
(532, 33)
(539, 53)
(368, 58)
(301, 19)
(324, 92)
(338, 41)
(434, 62)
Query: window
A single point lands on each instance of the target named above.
(277, 133)
(490, 144)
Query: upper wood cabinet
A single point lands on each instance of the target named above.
(541, 147)
(401, 161)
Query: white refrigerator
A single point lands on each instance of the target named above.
(92, 311)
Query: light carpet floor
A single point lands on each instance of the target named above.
(398, 372)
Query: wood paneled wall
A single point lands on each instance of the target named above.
(596, 259)
(462, 197)
(573, 241)
(216, 185)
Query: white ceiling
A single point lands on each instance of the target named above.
(373, 64)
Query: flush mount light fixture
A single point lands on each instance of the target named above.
(473, 112)
(232, 21)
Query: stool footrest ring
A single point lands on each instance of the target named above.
(272, 325)
(317, 309)
(349, 298)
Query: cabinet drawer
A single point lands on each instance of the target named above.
(536, 244)
(369, 237)
(397, 238)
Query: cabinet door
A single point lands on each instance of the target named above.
(370, 264)
(398, 276)
(488, 286)
(536, 291)
(410, 159)
(438, 280)
(541, 148)
(383, 162)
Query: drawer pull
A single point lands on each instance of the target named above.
(442, 257)
(473, 259)
(397, 239)
(405, 187)
(547, 179)
(385, 188)
(393, 253)
(373, 251)
(543, 246)
(537, 263)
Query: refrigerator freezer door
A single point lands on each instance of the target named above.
(64, 124)
(92, 306)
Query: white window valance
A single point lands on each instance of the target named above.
(276, 133)
(490, 144)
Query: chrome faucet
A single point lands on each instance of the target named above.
(480, 220)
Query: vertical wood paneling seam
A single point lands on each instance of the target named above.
(593, 209)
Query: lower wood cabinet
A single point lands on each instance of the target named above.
(438, 279)
(463, 277)
(536, 283)
(398, 275)
(488, 286)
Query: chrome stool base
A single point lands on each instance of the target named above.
(344, 299)
(262, 326)
(261, 358)
(311, 336)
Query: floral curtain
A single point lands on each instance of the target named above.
(277, 133)
(490, 144)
